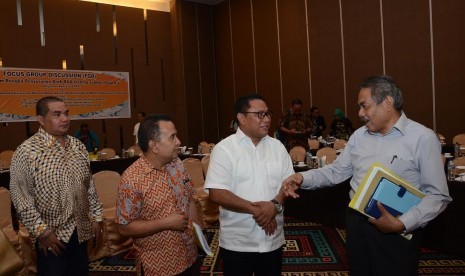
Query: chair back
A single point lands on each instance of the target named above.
(330, 154)
(5, 158)
(195, 170)
(313, 144)
(5, 209)
(459, 138)
(106, 183)
(205, 147)
(205, 161)
(109, 153)
(136, 149)
(339, 144)
(297, 154)
(459, 161)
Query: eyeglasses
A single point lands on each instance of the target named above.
(260, 114)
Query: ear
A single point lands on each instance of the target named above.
(389, 103)
(41, 120)
(153, 145)
(241, 118)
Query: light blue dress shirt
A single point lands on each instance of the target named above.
(409, 149)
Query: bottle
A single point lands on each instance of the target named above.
(308, 157)
(450, 171)
(456, 150)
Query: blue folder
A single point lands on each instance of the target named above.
(395, 199)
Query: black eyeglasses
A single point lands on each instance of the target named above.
(260, 114)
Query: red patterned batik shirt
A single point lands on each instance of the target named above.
(146, 193)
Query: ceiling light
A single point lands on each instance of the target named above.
(157, 5)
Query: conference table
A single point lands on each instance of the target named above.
(327, 206)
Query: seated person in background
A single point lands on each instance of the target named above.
(88, 137)
(318, 122)
(296, 126)
(341, 127)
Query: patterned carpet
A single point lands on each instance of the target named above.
(310, 250)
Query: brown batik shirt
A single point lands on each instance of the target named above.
(51, 187)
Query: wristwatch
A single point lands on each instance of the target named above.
(278, 205)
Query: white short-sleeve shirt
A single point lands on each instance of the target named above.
(254, 173)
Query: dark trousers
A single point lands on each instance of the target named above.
(72, 260)
(252, 263)
(373, 253)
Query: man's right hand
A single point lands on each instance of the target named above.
(177, 221)
(291, 184)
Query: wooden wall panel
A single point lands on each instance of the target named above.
(267, 56)
(243, 51)
(192, 90)
(326, 57)
(207, 74)
(361, 59)
(449, 57)
(294, 52)
(224, 67)
(408, 55)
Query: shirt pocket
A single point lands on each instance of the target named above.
(402, 164)
(274, 175)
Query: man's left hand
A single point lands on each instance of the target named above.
(387, 223)
(268, 212)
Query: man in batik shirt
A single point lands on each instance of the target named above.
(296, 126)
(53, 193)
(155, 204)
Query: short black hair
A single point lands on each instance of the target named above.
(313, 108)
(42, 105)
(381, 87)
(141, 113)
(242, 104)
(150, 129)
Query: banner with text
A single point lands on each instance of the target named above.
(87, 94)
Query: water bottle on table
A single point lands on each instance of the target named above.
(450, 170)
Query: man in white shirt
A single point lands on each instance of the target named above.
(407, 148)
(244, 177)
(140, 118)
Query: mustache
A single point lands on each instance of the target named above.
(364, 120)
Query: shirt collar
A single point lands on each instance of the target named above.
(49, 139)
(400, 126)
(242, 137)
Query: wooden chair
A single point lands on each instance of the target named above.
(339, 144)
(459, 138)
(313, 144)
(6, 225)
(195, 170)
(110, 242)
(205, 147)
(297, 154)
(459, 161)
(5, 158)
(330, 154)
(205, 161)
(136, 149)
(109, 153)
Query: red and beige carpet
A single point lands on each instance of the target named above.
(310, 250)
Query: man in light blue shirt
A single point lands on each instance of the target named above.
(407, 148)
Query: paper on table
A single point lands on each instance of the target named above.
(200, 239)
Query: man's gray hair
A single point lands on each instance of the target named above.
(381, 87)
